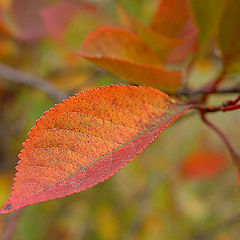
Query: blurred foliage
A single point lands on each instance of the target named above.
(149, 198)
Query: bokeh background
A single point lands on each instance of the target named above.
(165, 192)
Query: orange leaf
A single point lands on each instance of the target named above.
(57, 17)
(169, 49)
(207, 20)
(203, 165)
(238, 177)
(127, 56)
(3, 28)
(87, 139)
(229, 32)
(173, 31)
(172, 17)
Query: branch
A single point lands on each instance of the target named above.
(231, 150)
(210, 109)
(17, 76)
(231, 102)
(214, 85)
(226, 106)
(7, 234)
(187, 92)
(231, 108)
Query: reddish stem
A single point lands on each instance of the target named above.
(206, 109)
(230, 108)
(7, 234)
(189, 92)
(233, 153)
(236, 100)
(214, 85)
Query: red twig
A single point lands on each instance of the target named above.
(233, 153)
(206, 109)
(232, 102)
(210, 109)
(230, 108)
(214, 85)
(229, 105)
(236, 100)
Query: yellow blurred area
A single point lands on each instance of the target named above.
(71, 81)
(107, 223)
(5, 4)
(5, 186)
(6, 49)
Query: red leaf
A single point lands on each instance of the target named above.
(203, 165)
(127, 56)
(87, 139)
(57, 17)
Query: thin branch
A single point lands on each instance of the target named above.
(219, 227)
(231, 108)
(225, 107)
(236, 100)
(206, 109)
(231, 150)
(7, 234)
(188, 92)
(18, 76)
(232, 102)
(214, 85)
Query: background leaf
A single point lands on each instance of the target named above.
(169, 49)
(203, 164)
(229, 31)
(110, 48)
(208, 20)
(172, 17)
(172, 32)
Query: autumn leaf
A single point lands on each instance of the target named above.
(86, 139)
(126, 55)
(172, 17)
(3, 28)
(172, 33)
(208, 20)
(125, 19)
(203, 164)
(229, 31)
(169, 49)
